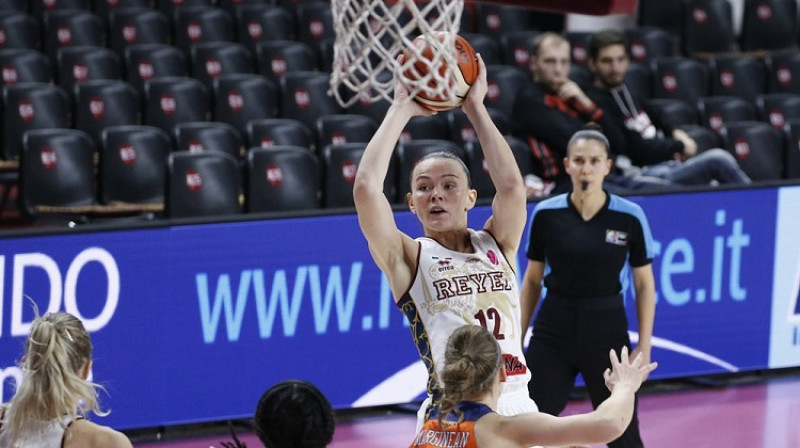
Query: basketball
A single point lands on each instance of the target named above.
(463, 76)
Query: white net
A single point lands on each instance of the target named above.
(370, 34)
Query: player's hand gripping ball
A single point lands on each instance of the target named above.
(463, 76)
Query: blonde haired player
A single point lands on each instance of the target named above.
(55, 394)
(453, 275)
(473, 379)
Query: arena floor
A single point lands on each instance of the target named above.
(748, 411)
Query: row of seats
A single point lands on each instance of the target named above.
(138, 171)
(239, 98)
(707, 26)
(244, 104)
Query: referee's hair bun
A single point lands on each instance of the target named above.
(592, 126)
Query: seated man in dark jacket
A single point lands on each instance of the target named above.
(554, 108)
(671, 157)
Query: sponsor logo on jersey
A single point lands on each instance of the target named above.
(616, 237)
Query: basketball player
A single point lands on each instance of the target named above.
(50, 403)
(473, 378)
(452, 275)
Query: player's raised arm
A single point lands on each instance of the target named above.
(508, 208)
(387, 244)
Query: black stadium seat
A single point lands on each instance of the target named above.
(282, 178)
(758, 148)
(133, 161)
(201, 184)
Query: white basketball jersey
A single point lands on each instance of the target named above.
(451, 289)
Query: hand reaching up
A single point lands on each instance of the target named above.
(626, 372)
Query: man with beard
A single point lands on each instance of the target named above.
(553, 109)
(668, 154)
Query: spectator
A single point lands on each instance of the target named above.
(668, 154)
(554, 108)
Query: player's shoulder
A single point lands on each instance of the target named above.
(90, 434)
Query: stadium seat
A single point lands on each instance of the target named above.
(667, 113)
(172, 100)
(19, 30)
(144, 62)
(258, 22)
(648, 43)
(479, 173)
(202, 184)
(581, 75)
(769, 25)
(344, 128)
(315, 26)
(742, 76)
(708, 27)
(715, 111)
(757, 146)
(271, 132)
(40, 8)
(196, 24)
(278, 57)
(639, 80)
(171, 7)
(681, 78)
(462, 131)
(76, 65)
(488, 47)
(792, 160)
(375, 110)
(504, 85)
(240, 98)
(305, 97)
(778, 108)
(132, 26)
(517, 47)
(103, 103)
(579, 46)
(105, 8)
(28, 106)
(199, 136)
(211, 60)
(434, 127)
(133, 159)
(72, 28)
(23, 65)
(667, 15)
(495, 19)
(233, 6)
(409, 153)
(704, 137)
(282, 178)
(57, 173)
(13, 5)
(783, 71)
(340, 163)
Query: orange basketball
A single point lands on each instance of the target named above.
(463, 76)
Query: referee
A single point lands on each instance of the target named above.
(586, 239)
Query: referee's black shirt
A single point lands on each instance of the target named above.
(587, 259)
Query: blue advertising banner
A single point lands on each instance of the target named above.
(192, 323)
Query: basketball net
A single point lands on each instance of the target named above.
(370, 34)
